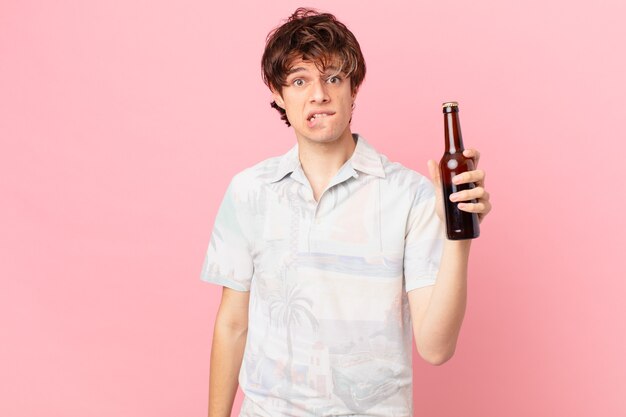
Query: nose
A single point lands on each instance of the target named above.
(319, 92)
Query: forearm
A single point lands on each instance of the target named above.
(443, 318)
(226, 357)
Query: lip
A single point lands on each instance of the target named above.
(326, 112)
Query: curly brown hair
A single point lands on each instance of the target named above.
(315, 37)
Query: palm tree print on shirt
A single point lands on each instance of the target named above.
(288, 307)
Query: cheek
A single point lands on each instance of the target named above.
(293, 115)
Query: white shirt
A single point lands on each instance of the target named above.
(329, 328)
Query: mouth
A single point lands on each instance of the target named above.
(315, 117)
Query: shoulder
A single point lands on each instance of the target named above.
(406, 180)
(252, 178)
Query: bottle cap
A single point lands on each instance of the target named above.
(450, 106)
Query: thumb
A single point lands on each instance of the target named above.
(433, 170)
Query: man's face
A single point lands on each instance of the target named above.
(318, 105)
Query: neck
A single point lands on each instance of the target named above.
(321, 160)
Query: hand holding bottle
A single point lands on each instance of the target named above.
(482, 206)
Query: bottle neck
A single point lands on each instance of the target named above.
(453, 137)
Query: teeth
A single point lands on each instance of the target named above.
(318, 115)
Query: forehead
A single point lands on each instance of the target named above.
(302, 65)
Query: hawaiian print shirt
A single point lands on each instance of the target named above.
(329, 327)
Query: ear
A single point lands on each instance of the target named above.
(278, 99)
(354, 93)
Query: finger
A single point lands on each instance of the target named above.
(480, 208)
(477, 176)
(474, 154)
(477, 193)
(484, 213)
(433, 170)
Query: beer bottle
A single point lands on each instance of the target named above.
(459, 224)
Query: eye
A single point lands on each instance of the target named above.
(334, 80)
(298, 82)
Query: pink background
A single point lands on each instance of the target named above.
(121, 123)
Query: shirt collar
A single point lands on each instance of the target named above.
(364, 158)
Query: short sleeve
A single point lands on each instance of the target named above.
(228, 261)
(423, 245)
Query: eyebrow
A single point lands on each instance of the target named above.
(297, 69)
(331, 69)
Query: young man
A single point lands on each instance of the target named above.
(331, 257)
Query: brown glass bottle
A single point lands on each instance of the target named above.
(459, 224)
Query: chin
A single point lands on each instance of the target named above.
(324, 138)
(327, 135)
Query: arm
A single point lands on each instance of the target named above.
(229, 340)
(437, 311)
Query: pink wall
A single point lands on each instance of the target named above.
(121, 123)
